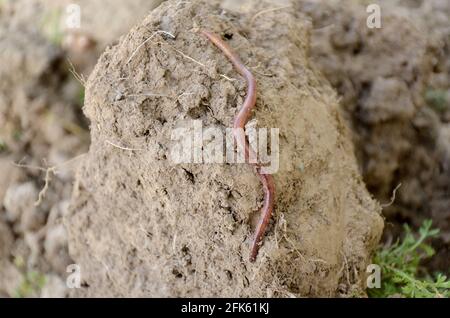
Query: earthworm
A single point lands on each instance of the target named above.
(239, 123)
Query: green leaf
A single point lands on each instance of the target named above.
(400, 266)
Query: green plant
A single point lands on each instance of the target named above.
(400, 267)
(32, 283)
(3, 145)
(17, 134)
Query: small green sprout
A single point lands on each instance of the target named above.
(51, 26)
(17, 135)
(81, 95)
(437, 99)
(400, 267)
(32, 281)
(3, 146)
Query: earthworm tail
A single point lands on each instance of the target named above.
(239, 124)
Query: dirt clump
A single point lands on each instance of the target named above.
(141, 225)
(394, 84)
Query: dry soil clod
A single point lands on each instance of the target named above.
(143, 225)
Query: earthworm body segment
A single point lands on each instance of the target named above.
(239, 124)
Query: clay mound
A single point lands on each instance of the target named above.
(140, 225)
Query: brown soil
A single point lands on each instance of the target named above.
(140, 225)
